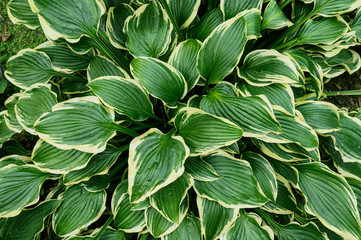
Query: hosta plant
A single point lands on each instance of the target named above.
(181, 119)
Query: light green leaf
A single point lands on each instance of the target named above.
(215, 219)
(28, 223)
(10, 115)
(324, 31)
(238, 187)
(348, 138)
(264, 67)
(155, 160)
(184, 58)
(330, 199)
(222, 50)
(200, 170)
(329, 8)
(125, 96)
(295, 231)
(115, 24)
(206, 25)
(190, 228)
(167, 200)
(274, 18)
(285, 202)
(78, 123)
(294, 131)
(162, 80)
(263, 172)
(184, 11)
(125, 218)
(85, 18)
(19, 12)
(323, 117)
(204, 132)
(29, 67)
(347, 58)
(79, 209)
(99, 164)
(5, 132)
(63, 58)
(32, 103)
(277, 94)
(248, 227)
(54, 160)
(100, 66)
(20, 187)
(148, 31)
(231, 8)
(241, 111)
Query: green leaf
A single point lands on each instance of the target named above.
(324, 31)
(277, 94)
(100, 66)
(323, 117)
(330, 199)
(85, 18)
(264, 67)
(200, 170)
(285, 202)
(167, 200)
(206, 25)
(231, 8)
(248, 226)
(54, 160)
(5, 132)
(329, 8)
(28, 223)
(155, 160)
(20, 187)
(347, 139)
(32, 103)
(10, 115)
(19, 12)
(347, 58)
(29, 67)
(79, 123)
(215, 219)
(148, 31)
(222, 50)
(253, 18)
(184, 11)
(115, 24)
(241, 111)
(13, 159)
(99, 164)
(73, 86)
(184, 58)
(125, 218)
(263, 172)
(237, 187)
(274, 18)
(79, 209)
(97, 183)
(162, 80)
(63, 58)
(356, 24)
(295, 231)
(190, 228)
(125, 96)
(203, 132)
(294, 131)
(355, 184)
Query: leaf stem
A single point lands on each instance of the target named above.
(107, 223)
(285, 3)
(205, 88)
(344, 93)
(171, 17)
(124, 130)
